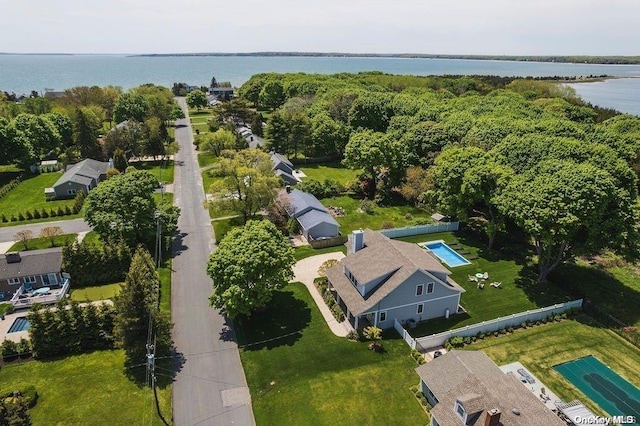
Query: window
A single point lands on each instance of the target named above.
(71, 192)
(383, 317)
(30, 279)
(14, 281)
(419, 289)
(460, 411)
(429, 288)
(420, 308)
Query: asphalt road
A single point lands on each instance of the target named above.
(72, 226)
(210, 387)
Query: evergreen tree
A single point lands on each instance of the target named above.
(85, 136)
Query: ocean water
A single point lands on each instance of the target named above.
(24, 73)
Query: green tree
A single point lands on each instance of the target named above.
(156, 136)
(51, 232)
(247, 185)
(256, 124)
(119, 160)
(130, 106)
(216, 142)
(138, 314)
(271, 95)
(123, 207)
(371, 110)
(568, 208)
(86, 134)
(64, 126)
(375, 153)
(249, 264)
(417, 181)
(37, 106)
(197, 99)
(176, 112)
(277, 133)
(39, 131)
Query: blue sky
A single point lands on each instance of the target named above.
(518, 27)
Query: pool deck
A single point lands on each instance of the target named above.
(535, 387)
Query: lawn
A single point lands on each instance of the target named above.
(307, 251)
(335, 171)
(314, 377)
(519, 291)
(43, 243)
(393, 216)
(161, 169)
(540, 348)
(95, 293)
(206, 159)
(208, 179)
(88, 389)
(92, 237)
(164, 273)
(29, 195)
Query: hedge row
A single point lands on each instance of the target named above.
(9, 186)
(46, 213)
(323, 288)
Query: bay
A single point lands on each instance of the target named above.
(24, 73)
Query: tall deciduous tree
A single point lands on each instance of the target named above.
(216, 142)
(197, 99)
(130, 106)
(38, 131)
(138, 313)
(247, 185)
(249, 264)
(271, 95)
(51, 232)
(24, 237)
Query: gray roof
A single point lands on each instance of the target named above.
(476, 381)
(382, 256)
(299, 202)
(34, 262)
(121, 125)
(83, 172)
(279, 158)
(287, 177)
(315, 217)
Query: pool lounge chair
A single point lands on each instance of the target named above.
(485, 275)
(473, 278)
(480, 285)
(496, 284)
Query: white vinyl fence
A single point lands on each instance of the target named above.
(408, 231)
(405, 334)
(424, 343)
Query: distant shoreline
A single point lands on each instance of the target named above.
(565, 59)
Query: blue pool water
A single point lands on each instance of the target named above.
(446, 253)
(20, 324)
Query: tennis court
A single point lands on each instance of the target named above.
(604, 386)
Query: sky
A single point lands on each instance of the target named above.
(483, 27)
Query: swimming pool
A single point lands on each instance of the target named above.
(604, 386)
(19, 324)
(445, 253)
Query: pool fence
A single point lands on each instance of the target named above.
(409, 231)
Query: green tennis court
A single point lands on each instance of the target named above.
(604, 386)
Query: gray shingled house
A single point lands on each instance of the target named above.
(467, 388)
(283, 168)
(82, 176)
(314, 218)
(381, 280)
(30, 269)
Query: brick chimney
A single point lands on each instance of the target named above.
(492, 418)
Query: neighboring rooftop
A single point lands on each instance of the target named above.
(83, 172)
(299, 201)
(315, 217)
(279, 158)
(28, 263)
(471, 378)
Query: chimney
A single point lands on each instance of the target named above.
(111, 163)
(492, 418)
(288, 189)
(357, 240)
(13, 257)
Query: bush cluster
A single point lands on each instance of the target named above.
(323, 288)
(50, 169)
(417, 357)
(420, 397)
(457, 342)
(367, 206)
(10, 185)
(11, 350)
(91, 264)
(46, 213)
(75, 330)
(14, 406)
(324, 189)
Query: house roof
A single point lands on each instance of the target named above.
(473, 379)
(314, 217)
(279, 158)
(33, 262)
(382, 256)
(287, 177)
(83, 172)
(299, 201)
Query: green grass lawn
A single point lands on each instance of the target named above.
(42, 243)
(314, 377)
(391, 215)
(206, 159)
(161, 169)
(29, 195)
(92, 237)
(540, 348)
(208, 179)
(335, 171)
(165, 285)
(95, 293)
(8, 173)
(307, 251)
(89, 389)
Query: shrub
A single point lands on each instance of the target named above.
(408, 216)
(36, 214)
(21, 217)
(496, 334)
(293, 226)
(44, 213)
(367, 206)
(372, 333)
(480, 336)
(387, 225)
(466, 340)
(29, 215)
(8, 349)
(13, 217)
(4, 218)
(60, 211)
(337, 312)
(67, 210)
(456, 342)
(509, 329)
(353, 335)
(53, 212)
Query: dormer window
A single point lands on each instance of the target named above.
(460, 411)
(351, 277)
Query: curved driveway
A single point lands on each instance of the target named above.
(210, 387)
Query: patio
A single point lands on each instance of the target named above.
(548, 398)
